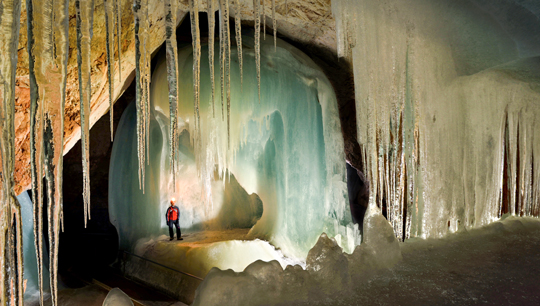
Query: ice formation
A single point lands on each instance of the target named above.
(11, 260)
(289, 154)
(211, 34)
(142, 80)
(467, 267)
(172, 79)
(85, 19)
(117, 297)
(446, 99)
(109, 29)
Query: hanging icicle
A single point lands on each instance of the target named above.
(118, 8)
(49, 52)
(226, 59)
(256, 6)
(238, 28)
(142, 80)
(85, 19)
(274, 23)
(36, 153)
(11, 282)
(109, 29)
(196, 41)
(172, 78)
(264, 18)
(211, 29)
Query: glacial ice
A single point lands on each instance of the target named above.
(287, 150)
(447, 110)
(465, 268)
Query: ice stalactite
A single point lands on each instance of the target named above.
(274, 23)
(118, 14)
(264, 18)
(11, 262)
(36, 151)
(142, 83)
(172, 78)
(429, 173)
(211, 34)
(196, 41)
(109, 29)
(238, 28)
(225, 59)
(48, 50)
(85, 19)
(256, 13)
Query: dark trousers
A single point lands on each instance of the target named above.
(356, 188)
(177, 224)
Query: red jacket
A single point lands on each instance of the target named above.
(173, 213)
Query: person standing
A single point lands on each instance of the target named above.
(173, 218)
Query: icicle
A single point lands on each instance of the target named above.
(238, 27)
(256, 5)
(274, 23)
(109, 29)
(36, 153)
(222, 60)
(10, 212)
(196, 41)
(85, 19)
(211, 28)
(142, 81)
(118, 8)
(172, 78)
(264, 19)
(50, 53)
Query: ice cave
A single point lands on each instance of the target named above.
(270, 152)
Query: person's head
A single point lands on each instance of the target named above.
(173, 200)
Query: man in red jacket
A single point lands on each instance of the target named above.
(173, 218)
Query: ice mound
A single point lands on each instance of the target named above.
(117, 297)
(328, 272)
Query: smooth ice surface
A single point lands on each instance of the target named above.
(117, 297)
(447, 109)
(495, 264)
(288, 150)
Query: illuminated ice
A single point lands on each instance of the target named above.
(286, 150)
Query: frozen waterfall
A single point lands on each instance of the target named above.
(288, 150)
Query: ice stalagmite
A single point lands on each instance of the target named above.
(142, 82)
(238, 28)
(11, 286)
(196, 41)
(256, 13)
(274, 23)
(109, 28)
(172, 78)
(85, 18)
(211, 28)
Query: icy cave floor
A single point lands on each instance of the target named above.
(201, 251)
(495, 265)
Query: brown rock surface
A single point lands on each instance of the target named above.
(307, 22)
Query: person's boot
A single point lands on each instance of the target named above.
(171, 239)
(180, 238)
